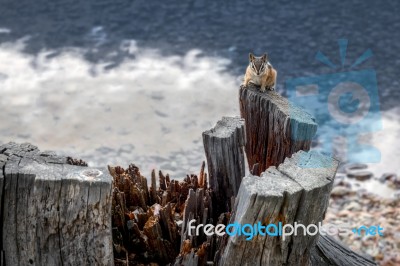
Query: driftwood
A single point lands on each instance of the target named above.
(329, 252)
(223, 146)
(275, 129)
(53, 213)
(282, 194)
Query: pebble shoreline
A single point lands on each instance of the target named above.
(356, 207)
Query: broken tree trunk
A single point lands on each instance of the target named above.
(223, 146)
(275, 129)
(150, 223)
(297, 191)
(53, 213)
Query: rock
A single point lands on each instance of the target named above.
(387, 176)
(341, 191)
(344, 183)
(397, 195)
(360, 175)
(395, 184)
(354, 166)
(339, 178)
(353, 206)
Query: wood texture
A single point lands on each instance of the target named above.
(275, 129)
(297, 191)
(195, 248)
(150, 223)
(223, 146)
(330, 252)
(53, 213)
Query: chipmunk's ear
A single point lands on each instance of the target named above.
(264, 57)
(251, 57)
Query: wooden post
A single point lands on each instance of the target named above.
(53, 213)
(275, 129)
(297, 191)
(223, 146)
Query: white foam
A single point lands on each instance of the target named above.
(160, 104)
(5, 31)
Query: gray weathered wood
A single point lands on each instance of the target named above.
(223, 146)
(53, 213)
(275, 128)
(330, 252)
(297, 191)
(315, 173)
(3, 160)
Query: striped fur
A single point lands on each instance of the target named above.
(260, 72)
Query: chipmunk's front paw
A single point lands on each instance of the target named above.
(262, 89)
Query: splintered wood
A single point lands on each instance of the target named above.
(150, 223)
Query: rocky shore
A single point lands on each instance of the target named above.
(353, 204)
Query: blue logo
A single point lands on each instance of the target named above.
(371, 230)
(345, 104)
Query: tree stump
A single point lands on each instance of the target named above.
(53, 213)
(275, 128)
(290, 193)
(223, 146)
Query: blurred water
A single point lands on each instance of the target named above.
(138, 81)
(150, 110)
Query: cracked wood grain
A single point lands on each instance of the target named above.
(53, 213)
(275, 128)
(287, 194)
(223, 145)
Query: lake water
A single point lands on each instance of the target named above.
(115, 82)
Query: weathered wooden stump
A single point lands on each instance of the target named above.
(275, 128)
(223, 146)
(53, 213)
(297, 191)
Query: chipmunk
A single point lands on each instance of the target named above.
(260, 72)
